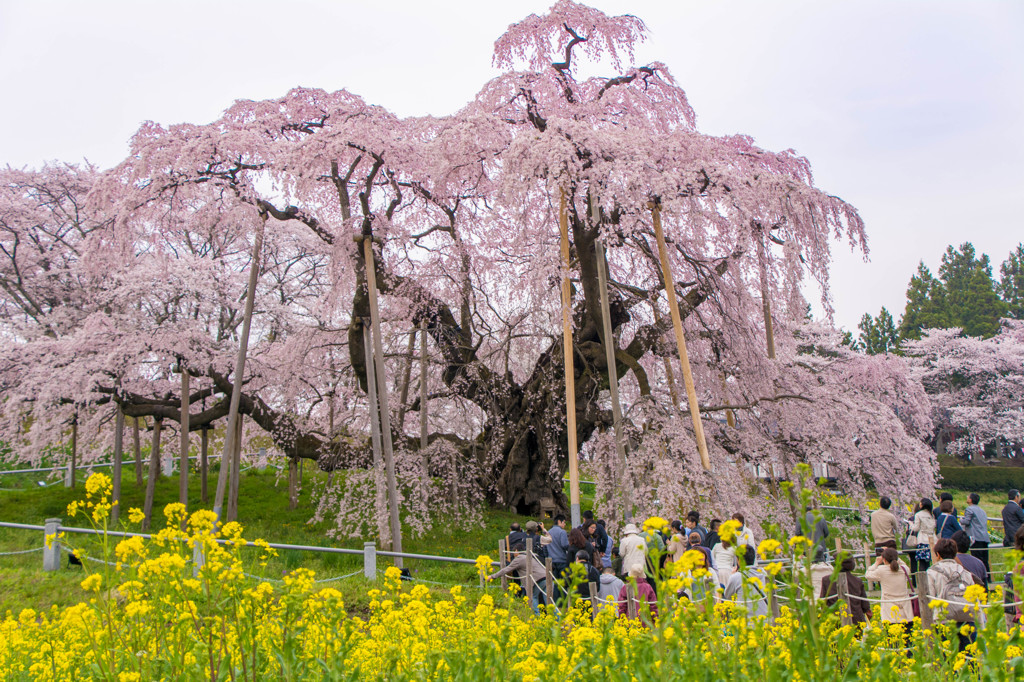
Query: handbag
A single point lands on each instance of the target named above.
(915, 605)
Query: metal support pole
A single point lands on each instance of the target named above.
(569, 365)
(677, 324)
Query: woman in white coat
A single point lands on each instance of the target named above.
(894, 577)
(922, 534)
(723, 556)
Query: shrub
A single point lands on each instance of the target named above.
(982, 478)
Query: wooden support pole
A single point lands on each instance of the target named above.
(766, 306)
(528, 580)
(677, 324)
(293, 483)
(183, 456)
(570, 369)
(592, 587)
(154, 472)
(380, 491)
(69, 480)
(115, 510)
(403, 395)
(423, 384)
(204, 461)
(631, 605)
(774, 600)
(137, 450)
(236, 470)
(382, 399)
(608, 338)
(239, 375)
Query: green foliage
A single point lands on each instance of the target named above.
(1011, 283)
(982, 477)
(964, 295)
(877, 335)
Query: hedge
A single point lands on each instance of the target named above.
(982, 478)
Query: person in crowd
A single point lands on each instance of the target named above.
(606, 548)
(533, 530)
(821, 570)
(558, 548)
(694, 544)
(972, 564)
(860, 610)
(595, 531)
(723, 556)
(515, 534)
(975, 522)
(609, 588)
(644, 593)
(693, 525)
(578, 542)
(744, 537)
(946, 523)
(592, 536)
(655, 543)
(755, 600)
(677, 544)
(893, 575)
(536, 571)
(1017, 575)
(816, 528)
(943, 497)
(1013, 518)
(617, 562)
(946, 575)
(712, 538)
(884, 524)
(922, 535)
(589, 575)
(632, 549)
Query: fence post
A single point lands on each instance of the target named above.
(631, 600)
(51, 552)
(198, 558)
(502, 562)
(773, 599)
(842, 591)
(923, 599)
(369, 560)
(549, 581)
(593, 599)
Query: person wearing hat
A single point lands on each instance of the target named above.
(632, 548)
(533, 533)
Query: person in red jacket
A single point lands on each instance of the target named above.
(644, 593)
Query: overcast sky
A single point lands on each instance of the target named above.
(911, 111)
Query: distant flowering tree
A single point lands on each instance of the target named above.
(976, 387)
(463, 214)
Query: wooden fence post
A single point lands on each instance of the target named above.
(631, 605)
(923, 598)
(549, 581)
(503, 562)
(115, 510)
(842, 591)
(593, 599)
(528, 581)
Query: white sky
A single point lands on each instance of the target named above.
(911, 111)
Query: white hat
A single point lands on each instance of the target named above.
(630, 529)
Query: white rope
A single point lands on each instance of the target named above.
(261, 578)
(340, 577)
(23, 551)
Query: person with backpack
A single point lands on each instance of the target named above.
(609, 588)
(540, 550)
(922, 535)
(947, 583)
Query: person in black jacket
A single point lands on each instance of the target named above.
(712, 538)
(1013, 518)
(860, 610)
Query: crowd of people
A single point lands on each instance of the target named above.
(952, 550)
